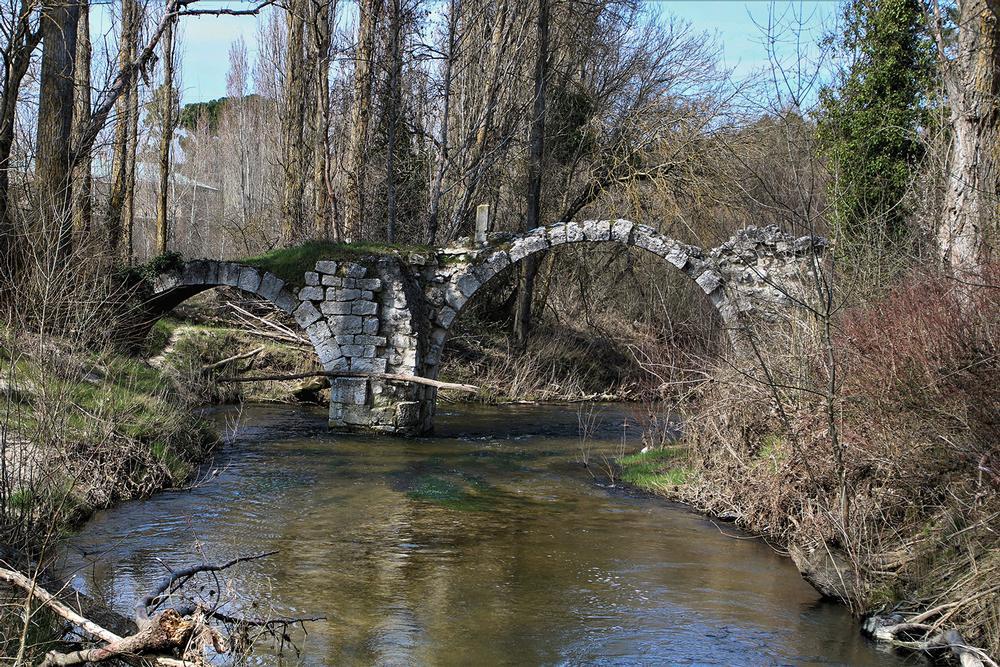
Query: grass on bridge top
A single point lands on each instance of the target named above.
(290, 264)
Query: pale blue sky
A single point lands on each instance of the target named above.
(206, 40)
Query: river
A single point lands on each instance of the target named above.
(486, 544)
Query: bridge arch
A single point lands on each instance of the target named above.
(462, 285)
(381, 322)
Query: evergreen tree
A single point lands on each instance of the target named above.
(869, 123)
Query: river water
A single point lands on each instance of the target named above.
(486, 544)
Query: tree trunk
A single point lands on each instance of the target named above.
(536, 152)
(82, 209)
(166, 137)
(393, 104)
(433, 210)
(325, 12)
(973, 83)
(17, 54)
(293, 124)
(120, 144)
(55, 119)
(357, 160)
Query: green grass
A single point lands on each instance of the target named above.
(656, 470)
(290, 264)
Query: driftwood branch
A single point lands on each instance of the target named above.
(238, 357)
(180, 630)
(391, 377)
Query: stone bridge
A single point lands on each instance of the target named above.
(391, 314)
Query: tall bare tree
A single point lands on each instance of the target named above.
(121, 147)
(357, 148)
(55, 117)
(293, 121)
(324, 13)
(536, 154)
(167, 123)
(82, 181)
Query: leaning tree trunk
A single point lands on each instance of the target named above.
(536, 152)
(325, 11)
(55, 120)
(973, 190)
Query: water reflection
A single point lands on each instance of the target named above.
(488, 544)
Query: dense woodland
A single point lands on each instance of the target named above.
(389, 121)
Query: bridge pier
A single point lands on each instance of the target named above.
(391, 315)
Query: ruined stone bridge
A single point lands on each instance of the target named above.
(391, 314)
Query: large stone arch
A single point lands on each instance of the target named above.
(758, 273)
(461, 286)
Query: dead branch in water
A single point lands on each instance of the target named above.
(391, 377)
(183, 630)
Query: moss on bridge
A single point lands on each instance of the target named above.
(290, 264)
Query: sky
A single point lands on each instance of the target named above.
(206, 39)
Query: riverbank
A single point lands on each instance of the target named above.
(890, 504)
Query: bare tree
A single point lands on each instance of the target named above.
(55, 118)
(166, 137)
(357, 158)
(82, 181)
(121, 147)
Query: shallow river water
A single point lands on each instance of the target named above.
(486, 544)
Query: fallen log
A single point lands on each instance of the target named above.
(391, 377)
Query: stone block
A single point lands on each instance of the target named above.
(354, 270)
(407, 413)
(194, 273)
(574, 232)
(709, 281)
(352, 283)
(676, 255)
(318, 332)
(335, 307)
(345, 324)
(345, 339)
(597, 230)
(352, 350)
(343, 294)
(454, 298)
(286, 302)
(333, 281)
(364, 307)
(338, 364)
(270, 286)
(229, 274)
(311, 293)
(326, 266)
(364, 339)
(356, 415)
(526, 246)
(368, 365)
(349, 391)
(312, 278)
(372, 284)
(367, 295)
(306, 314)
(468, 283)
(446, 316)
(327, 352)
(621, 230)
(370, 327)
(249, 279)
